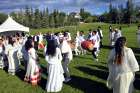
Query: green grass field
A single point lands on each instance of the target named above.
(87, 76)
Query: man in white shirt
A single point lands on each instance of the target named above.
(138, 35)
(117, 34)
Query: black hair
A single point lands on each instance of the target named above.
(17, 34)
(23, 34)
(56, 33)
(95, 31)
(28, 44)
(119, 46)
(10, 41)
(51, 48)
(30, 37)
(65, 34)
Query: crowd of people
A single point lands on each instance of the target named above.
(58, 51)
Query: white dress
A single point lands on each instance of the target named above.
(55, 73)
(2, 65)
(33, 70)
(121, 77)
(12, 59)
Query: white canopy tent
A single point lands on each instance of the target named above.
(11, 25)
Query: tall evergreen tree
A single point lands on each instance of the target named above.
(129, 11)
(37, 19)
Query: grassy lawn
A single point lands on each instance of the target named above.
(87, 76)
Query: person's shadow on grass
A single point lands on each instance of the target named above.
(137, 81)
(88, 86)
(98, 73)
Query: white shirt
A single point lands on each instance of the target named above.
(95, 40)
(138, 33)
(81, 39)
(35, 39)
(40, 38)
(117, 35)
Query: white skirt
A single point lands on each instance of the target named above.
(124, 83)
(55, 78)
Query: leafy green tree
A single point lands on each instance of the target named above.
(84, 14)
(2, 17)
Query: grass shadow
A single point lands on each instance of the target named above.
(88, 86)
(138, 59)
(6, 69)
(41, 55)
(137, 81)
(98, 73)
(99, 67)
(44, 70)
(83, 57)
(20, 74)
(42, 83)
(43, 80)
(136, 50)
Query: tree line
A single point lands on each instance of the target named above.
(35, 18)
(127, 14)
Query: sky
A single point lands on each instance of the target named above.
(93, 6)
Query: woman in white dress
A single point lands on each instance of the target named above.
(10, 52)
(122, 67)
(55, 70)
(2, 50)
(33, 70)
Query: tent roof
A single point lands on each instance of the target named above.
(12, 25)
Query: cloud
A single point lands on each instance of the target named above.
(94, 6)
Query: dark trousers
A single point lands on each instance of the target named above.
(36, 45)
(94, 53)
(101, 44)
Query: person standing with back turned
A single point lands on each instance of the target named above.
(122, 67)
(55, 69)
